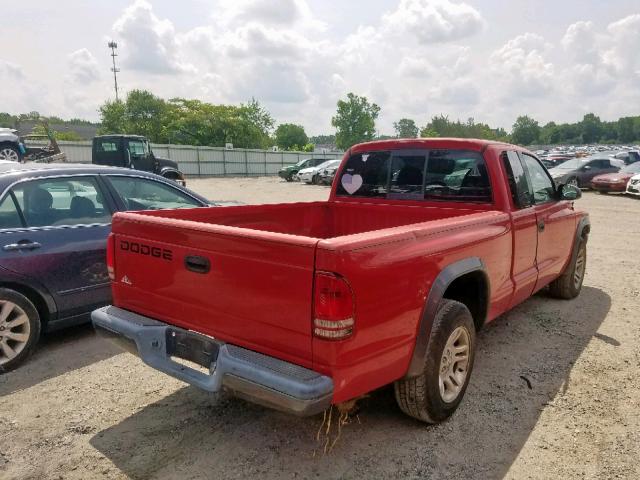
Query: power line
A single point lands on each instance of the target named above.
(113, 46)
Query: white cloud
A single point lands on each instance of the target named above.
(149, 44)
(279, 13)
(521, 64)
(434, 21)
(11, 70)
(83, 67)
(625, 39)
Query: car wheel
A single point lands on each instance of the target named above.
(435, 394)
(19, 329)
(574, 182)
(569, 284)
(315, 179)
(289, 178)
(9, 152)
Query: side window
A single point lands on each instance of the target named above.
(138, 147)
(62, 201)
(365, 175)
(518, 185)
(541, 183)
(9, 215)
(143, 194)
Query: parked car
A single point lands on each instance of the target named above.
(421, 243)
(551, 161)
(54, 222)
(580, 171)
(312, 174)
(289, 172)
(133, 151)
(633, 187)
(11, 147)
(627, 157)
(328, 174)
(615, 182)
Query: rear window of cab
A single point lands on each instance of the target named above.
(446, 175)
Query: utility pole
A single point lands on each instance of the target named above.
(113, 45)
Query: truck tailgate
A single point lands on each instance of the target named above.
(256, 291)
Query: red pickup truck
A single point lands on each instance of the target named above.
(298, 306)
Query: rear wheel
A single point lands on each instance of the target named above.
(19, 329)
(9, 152)
(435, 394)
(569, 284)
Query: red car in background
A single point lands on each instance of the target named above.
(615, 182)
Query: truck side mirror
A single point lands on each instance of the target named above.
(569, 192)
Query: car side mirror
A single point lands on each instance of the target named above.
(586, 167)
(569, 192)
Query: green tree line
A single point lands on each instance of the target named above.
(250, 125)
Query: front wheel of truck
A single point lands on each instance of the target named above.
(435, 394)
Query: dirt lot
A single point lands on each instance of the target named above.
(554, 394)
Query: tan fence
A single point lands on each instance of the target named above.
(210, 161)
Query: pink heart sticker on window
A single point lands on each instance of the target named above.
(351, 183)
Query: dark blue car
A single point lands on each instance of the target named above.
(54, 221)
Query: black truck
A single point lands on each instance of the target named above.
(133, 151)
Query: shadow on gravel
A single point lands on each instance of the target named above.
(57, 353)
(522, 366)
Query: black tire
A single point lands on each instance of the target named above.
(31, 328)
(569, 284)
(315, 179)
(420, 397)
(289, 178)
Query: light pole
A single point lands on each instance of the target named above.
(113, 46)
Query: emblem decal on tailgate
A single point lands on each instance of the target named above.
(142, 249)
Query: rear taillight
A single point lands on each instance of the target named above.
(111, 247)
(333, 316)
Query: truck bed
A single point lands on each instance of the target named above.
(315, 220)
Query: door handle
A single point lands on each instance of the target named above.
(541, 226)
(197, 264)
(21, 245)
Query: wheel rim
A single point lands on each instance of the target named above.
(573, 181)
(8, 154)
(14, 331)
(578, 271)
(454, 364)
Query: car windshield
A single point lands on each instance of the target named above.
(328, 164)
(633, 168)
(571, 164)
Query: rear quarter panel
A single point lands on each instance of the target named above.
(391, 272)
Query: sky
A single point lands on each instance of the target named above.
(492, 60)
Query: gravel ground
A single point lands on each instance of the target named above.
(554, 394)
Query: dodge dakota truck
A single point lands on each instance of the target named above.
(299, 306)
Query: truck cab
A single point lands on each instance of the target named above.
(133, 151)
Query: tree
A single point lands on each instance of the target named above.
(113, 118)
(591, 127)
(405, 128)
(525, 131)
(355, 121)
(289, 135)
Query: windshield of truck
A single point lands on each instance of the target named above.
(449, 175)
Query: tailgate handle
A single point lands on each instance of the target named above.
(197, 264)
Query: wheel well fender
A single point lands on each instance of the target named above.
(465, 281)
(582, 235)
(43, 302)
